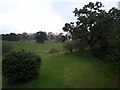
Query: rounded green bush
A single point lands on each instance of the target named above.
(68, 45)
(20, 66)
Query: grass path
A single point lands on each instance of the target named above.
(72, 71)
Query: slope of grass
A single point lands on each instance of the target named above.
(33, 46)
(75, 70)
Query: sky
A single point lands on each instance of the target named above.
(31, 16)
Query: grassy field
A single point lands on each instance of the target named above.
(73, 70)
(33, 46)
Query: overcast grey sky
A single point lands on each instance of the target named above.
(41, 15)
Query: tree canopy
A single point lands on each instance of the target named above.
(10, 37)
(97, 29)
(41, 36)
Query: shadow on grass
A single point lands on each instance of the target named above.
(6, 84)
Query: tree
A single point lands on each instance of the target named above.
(10, 37)
(93, 29)
(83, 29)
(110, 37)
(60, 37)
(24, 36)
(31, 36)
(41, 36)
(87, 19)
(51, 36)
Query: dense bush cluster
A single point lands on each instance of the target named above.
(68, 45)
(20, 66)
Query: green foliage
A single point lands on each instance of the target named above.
(20, 66)
(113, 52)
(69, 27)
(60, 38)
(68, 45)
(100, 49)
(40, 37)
(18, 37)
(80, 45)
(24, 36)
(85, 28)
(114, 56)
(98, 29)
(10, 37)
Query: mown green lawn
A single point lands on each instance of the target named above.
(73, 70)
(33, 46)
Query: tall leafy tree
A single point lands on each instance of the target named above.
(93, 28)
(24, 36)
(87, 17)
(41, 36)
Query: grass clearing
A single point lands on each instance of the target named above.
(73, 70)
(33, 46)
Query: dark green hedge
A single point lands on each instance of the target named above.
(20, 66)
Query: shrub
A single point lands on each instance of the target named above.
(80, 45)
(20, 66)
(100, 49)
(114, 56)
(68, 45)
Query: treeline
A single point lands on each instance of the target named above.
(39, 36)
(97, 29)
(10, 37)
(18, 37)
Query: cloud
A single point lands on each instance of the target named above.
(31, 18)
(36, 15)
